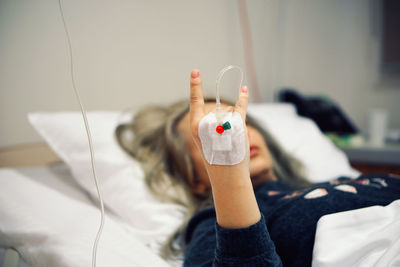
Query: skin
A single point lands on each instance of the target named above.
(232, 189)
(260, 157)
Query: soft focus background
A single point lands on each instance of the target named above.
(133, 53)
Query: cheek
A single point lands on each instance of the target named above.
(266, 155)
(257, 139)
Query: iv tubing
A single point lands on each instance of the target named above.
(94, 253)
(218, 100)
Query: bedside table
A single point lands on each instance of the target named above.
(369, 159)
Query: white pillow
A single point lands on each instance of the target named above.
(49, 228)
(121, 178)
(301, 138)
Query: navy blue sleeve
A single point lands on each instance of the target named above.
(213, 245)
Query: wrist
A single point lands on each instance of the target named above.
(229, 175)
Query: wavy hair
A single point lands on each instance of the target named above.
(168, 166)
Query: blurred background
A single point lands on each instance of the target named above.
(134, 53)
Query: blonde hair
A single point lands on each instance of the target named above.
(168, 166)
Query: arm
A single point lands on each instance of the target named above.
(232, 189)
(211, 244)
(239, 233)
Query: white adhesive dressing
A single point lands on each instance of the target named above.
(228, 148)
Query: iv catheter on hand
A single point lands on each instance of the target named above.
(222, 134)
(85, 120)
(218, 108)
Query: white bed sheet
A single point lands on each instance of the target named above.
(363, 237)
(51, 221)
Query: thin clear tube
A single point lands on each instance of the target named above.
(96, 242)
(217, 98)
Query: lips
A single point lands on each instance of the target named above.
(254, 151)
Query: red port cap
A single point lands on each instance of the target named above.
(220, 129)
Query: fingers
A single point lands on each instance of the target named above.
(242, 101)
(196, 97)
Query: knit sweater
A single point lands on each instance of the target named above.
(285, 233)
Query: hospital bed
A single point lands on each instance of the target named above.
(48, 202)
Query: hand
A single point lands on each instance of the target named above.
(233, 194)
(197, 112)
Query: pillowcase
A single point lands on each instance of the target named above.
(301, 138)
(121, 177)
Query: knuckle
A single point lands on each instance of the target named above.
(240, 106)
(195, 99)
(244, 97)
(194, 128)
(194, 82)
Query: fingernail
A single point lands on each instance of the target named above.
(195, 74)
(245, 89)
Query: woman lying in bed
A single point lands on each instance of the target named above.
(259, 212)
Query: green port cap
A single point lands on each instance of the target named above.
(226, 125)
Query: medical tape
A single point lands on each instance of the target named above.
(222, 134)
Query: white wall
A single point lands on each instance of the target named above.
(330, 48)
(132, 53)
(127, 53)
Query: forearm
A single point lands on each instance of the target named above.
(241, 237)
(234, 199)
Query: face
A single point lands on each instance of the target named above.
(260, 157)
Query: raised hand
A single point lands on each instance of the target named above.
(197, 112)
(231, 185)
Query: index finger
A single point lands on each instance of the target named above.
(242, 102)
(196, 97)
